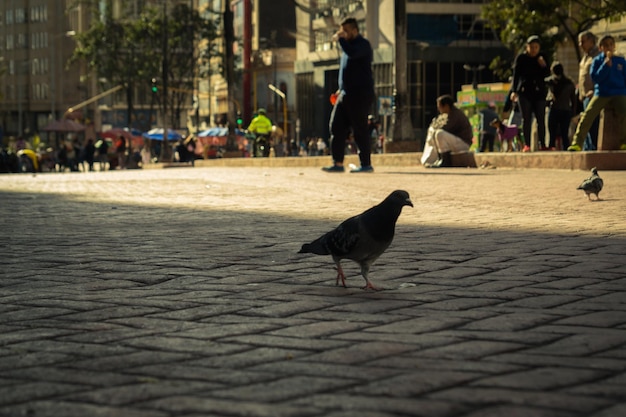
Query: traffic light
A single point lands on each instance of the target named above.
(155, 88)
(239, 119)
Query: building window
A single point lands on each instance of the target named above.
(305, 86)
(19, 16)
(10, 44)
(383, 79)
(447, 28)
(21, 41)
(323, 41)
(37, 14)
(9, 17)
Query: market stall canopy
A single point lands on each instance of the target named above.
(218, 136)
(157, 134)
(64, 126)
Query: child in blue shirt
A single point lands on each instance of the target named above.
(608, 73)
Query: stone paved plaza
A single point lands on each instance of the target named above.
(179, 292)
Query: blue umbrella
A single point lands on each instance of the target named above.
(157, 134)
(219, 131)
(213, 131)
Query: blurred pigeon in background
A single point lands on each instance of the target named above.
(592, 185)
(362, 238)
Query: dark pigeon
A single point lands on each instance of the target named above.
(362, 238)
(592, 185)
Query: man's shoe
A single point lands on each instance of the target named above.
(334, 168)
(366, 168)
(526, 148)
(574, 148)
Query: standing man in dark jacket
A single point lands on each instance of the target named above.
(355, 97)
(529, 73)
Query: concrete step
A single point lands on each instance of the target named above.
(603, 160)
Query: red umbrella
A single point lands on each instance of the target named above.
(116, 132)
(64, 126)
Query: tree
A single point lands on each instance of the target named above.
(402, 127)
(553, 20)
(3, 70)
(187, 55)
(150, 46)
(117, 50)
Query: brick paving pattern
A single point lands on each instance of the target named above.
(179, 292)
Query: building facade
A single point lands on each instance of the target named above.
(36, 42)
(443, 37)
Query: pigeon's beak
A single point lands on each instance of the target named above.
(408, 202)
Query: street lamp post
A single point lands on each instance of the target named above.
(474, 70)
(166, 152)
(284, 97)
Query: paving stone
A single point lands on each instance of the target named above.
(372, 372)
(517, 411)
(195, 371)
(546, 378)
(394, 406)
(612, 411)
(361, 352)
(471, 349)
(140, 391)
(283, 389)
(511, 322)
(589, 362)
(55, 408)
(248, 357)
(26, 391)
(581, 345)
(533, 398)
(188, 405)
(419, 325)
(120, 362)
(415, 383)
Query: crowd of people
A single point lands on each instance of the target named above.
(538, 87)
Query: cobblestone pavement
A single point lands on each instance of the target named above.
(179, 292)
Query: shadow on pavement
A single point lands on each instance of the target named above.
(220, 315)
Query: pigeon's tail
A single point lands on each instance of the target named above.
(315, 247)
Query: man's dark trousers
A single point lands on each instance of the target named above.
(351, 111)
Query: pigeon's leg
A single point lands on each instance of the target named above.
(365, 270)
(340, 275)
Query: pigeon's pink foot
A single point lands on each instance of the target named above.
(340, 276)
(370, 286)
